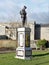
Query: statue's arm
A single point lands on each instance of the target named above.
(20, 12)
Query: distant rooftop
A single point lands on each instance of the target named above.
(44, 25)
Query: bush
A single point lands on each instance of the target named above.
(41, 43)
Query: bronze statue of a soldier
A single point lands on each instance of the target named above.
(23, 15)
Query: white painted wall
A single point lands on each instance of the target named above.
(45, 33)
(2, 30)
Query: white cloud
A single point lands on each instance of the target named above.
(38, 1)
(11, 8)
(7, 7)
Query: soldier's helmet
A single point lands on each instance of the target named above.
(25, 7)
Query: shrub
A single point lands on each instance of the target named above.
(41, 43)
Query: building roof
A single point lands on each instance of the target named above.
(44, 25)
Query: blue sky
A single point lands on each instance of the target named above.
(37, 10)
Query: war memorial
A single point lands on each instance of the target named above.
(23, 50)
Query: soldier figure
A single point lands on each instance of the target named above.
(23, 15)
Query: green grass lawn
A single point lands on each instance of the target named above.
(38, 58)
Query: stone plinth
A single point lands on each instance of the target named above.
(23, 50)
